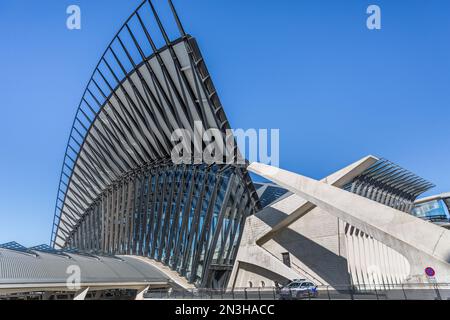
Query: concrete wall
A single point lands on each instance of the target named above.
(316, 244)
(421, 243)
(336, 238)
(322, 248)
(372, 262)
(314, 239)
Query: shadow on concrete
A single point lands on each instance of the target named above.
(329, 266)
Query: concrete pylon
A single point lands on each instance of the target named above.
(81, 294)
(421, 243)
(141, 292)
(302, 207)
(258, 231)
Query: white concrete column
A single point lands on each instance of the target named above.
(141, 292)
(81, 294)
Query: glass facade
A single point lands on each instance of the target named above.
(188, 217)
(435, 210)
(268, 193)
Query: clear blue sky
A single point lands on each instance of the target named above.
(311, 68)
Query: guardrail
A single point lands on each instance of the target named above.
(361, 292)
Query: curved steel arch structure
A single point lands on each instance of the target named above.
(119, 191)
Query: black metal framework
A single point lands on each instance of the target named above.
(389, 184)
(188, 217)
(119, 193)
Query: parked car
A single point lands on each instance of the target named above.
(299, 290)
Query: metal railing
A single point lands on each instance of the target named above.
(439, 291)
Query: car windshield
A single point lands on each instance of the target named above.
(293, 285)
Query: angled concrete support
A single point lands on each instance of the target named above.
(256, 249)
(81, 294)
(298, 207)
(141, 292)
(423, 244)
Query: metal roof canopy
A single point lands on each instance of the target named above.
(23, 269)
(386, 174)
(390, 184)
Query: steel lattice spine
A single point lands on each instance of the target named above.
(119, 191)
